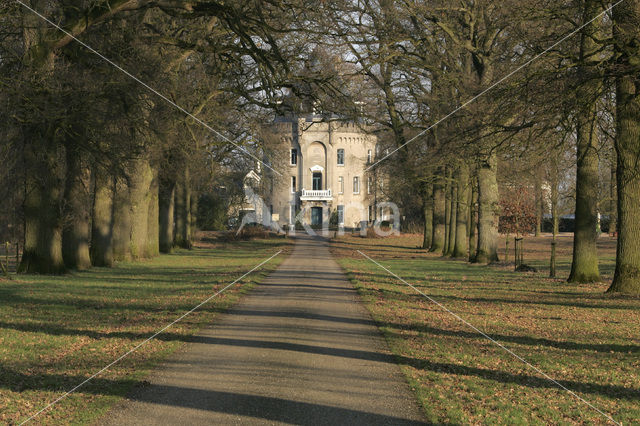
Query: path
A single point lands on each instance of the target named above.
(299, 349)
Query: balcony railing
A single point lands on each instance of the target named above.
(316, 194)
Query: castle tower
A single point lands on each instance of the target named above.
(323, 163)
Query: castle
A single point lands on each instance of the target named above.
(324, 179)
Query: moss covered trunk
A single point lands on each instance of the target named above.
(437, 239)
(488, 210)
(43, 209)
(153, 224)
(102, 219)
(613, 195)
(473, 220)
(453, 213)
(584, 266)
(77, 200)
(193, 213)
(626, 278)
(182, 211)
(447, 211)
(461, 244)
(121, 221)
(166, 206)
(140, 178)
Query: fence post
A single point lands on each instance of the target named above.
(519, 257)
(521, 251)
(7, 248)
(17, 256)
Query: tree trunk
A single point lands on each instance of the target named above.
(584, 267)
(182, 211)
(554, 181)
(166, 205)
(453, 214)
(178, 214)
(461, 245)
(437, 240)
(427, 209)
(626, 278)
(555, 196)
(140, 177)
(121, 240)
(75, 233)
(43, 159)
(613, 213)
(473, 221)
(488, 210)
(538, 201)
(102, 221)
(153, 225)
(447, 211)
(42, 209)
(193, 216)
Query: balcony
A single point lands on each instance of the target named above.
(316, 195)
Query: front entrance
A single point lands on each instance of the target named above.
(316, 216)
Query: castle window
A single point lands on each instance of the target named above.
(341, 157)
(369, 156)
(316, 180)
(356, 185)
(340, 215)
(293, 184)
(340, 184)
(369, 185)
(294, 156)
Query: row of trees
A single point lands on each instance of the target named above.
(101, 163)
(458, 91)
(484, 85)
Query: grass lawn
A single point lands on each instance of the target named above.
(537, 253)
(587, 340)
(57, 331)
